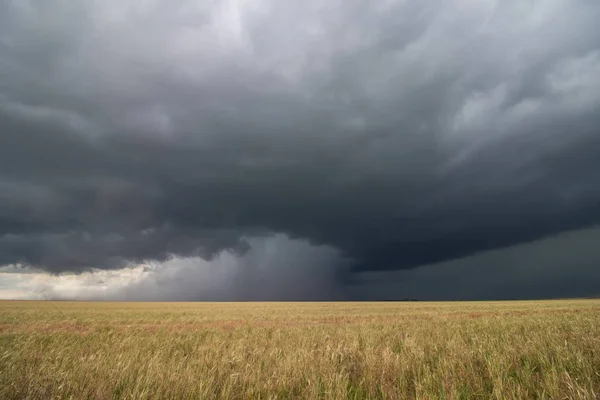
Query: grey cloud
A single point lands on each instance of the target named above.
(565, 265)
(399, 133)
(280, 268)
(274, 268)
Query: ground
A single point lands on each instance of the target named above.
(413, 350)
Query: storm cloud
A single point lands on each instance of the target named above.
(397, 133)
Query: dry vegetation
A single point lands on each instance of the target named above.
(503, 350)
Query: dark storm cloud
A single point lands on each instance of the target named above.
(274, 268)
(565, 265)
(400, 133)
(280, 268)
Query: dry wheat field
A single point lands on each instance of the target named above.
(412, 350)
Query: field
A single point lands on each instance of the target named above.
(503, 350)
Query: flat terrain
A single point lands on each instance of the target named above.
(513, 350)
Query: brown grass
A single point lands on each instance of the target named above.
(502, 350)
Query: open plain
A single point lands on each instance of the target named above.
(412, 350)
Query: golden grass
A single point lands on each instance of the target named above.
(502, 350)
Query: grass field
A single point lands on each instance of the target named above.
(503, 350)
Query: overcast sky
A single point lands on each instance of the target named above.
(317, 149)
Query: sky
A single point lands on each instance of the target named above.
(286, 150)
